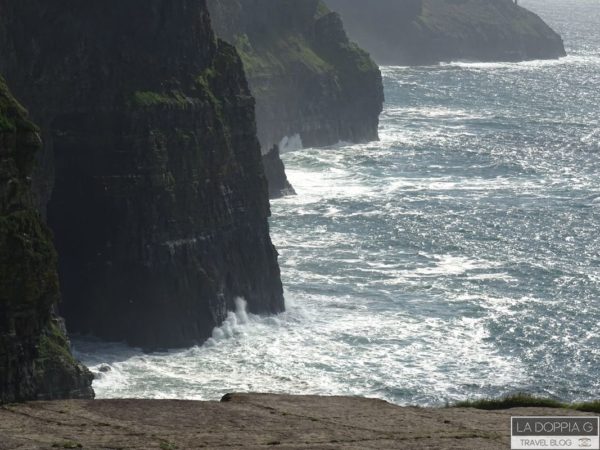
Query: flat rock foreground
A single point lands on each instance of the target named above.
(254, 421)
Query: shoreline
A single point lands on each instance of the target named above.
(255, 421)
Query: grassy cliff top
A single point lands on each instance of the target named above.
(13, 116)
(275, 40)
(428, 31)
(462, 17)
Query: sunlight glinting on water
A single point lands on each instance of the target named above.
(458, 257)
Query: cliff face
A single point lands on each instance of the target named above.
(160, 205)
(35, 359)
(414, 32)
(308, 79)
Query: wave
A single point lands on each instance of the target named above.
(442, 263)
(435, 112)
(291, 143)
(582, 59)
(234, 323)
(569, 60)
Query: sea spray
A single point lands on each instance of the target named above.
(290, 144)
(456, 258)
(233, 324)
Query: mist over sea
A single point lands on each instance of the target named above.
(459, 257)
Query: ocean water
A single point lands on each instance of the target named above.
(459, 257)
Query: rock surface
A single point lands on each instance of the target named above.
(417, 32)
(308, 79)
(160, 203)
(255, 421)
(35, 356)
(279, 186)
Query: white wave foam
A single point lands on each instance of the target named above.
(525, 65)
(324, 177)
(591, 137)
(446, 266)
(438, 112)
(336, 346)
(453, 265)
(291, 143)
(233, 324)
(462, 184)
(371, 310)
(572, 59)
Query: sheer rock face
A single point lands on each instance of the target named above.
(35, 358)
(416, 32)
(307, 77)
(279, 186)
(159, 205)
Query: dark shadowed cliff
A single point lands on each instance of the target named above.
(308, 79)
(410, 32)
(35, 358)
(159, 203)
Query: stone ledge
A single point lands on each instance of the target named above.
(254, 421)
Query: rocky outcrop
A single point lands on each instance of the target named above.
(308, 79)
(159, 205)
(35, 356)
(279, 186)
(417, 32)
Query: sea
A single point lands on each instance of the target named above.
(457, 258)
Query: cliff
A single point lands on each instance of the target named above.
(308, 79)
(159, 204)
(417, 32)
(35, 358)
(257, 421)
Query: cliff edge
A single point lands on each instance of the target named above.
(256, 421)
(159, 202)
(310, 82)
(420, 32)
(35, 356)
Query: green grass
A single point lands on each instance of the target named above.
(6, 124)
(275, 56)
(149, 99)
(593, 406)
(165, 445)
(12, 115)
(322, 10)
(460, 18)
(53, 349)
(527, 401)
